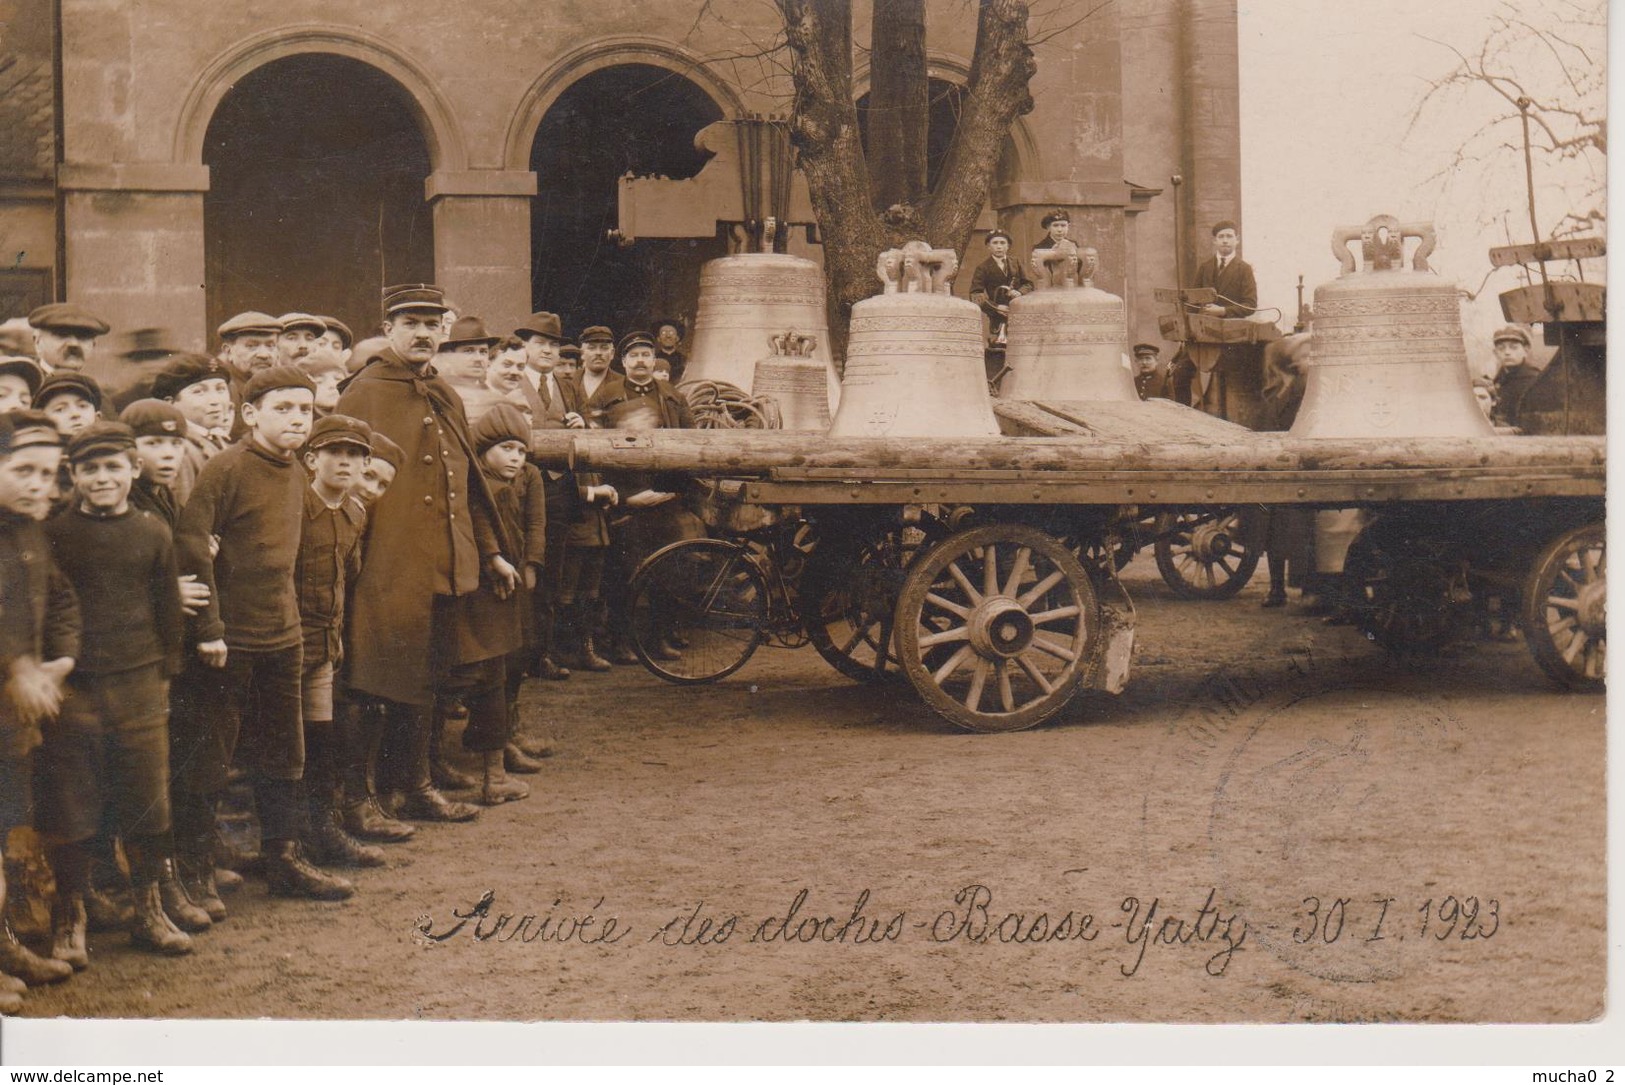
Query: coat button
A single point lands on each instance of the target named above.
(428, 459)
(428, 420)
(428, 499)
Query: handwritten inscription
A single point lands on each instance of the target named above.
(1210, 934)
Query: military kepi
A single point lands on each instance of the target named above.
(398, 299)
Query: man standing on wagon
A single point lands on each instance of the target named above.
(433, 532)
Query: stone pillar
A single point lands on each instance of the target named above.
(482, 242)
(135, 249)
(1212, 124)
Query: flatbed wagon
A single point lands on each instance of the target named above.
(984, 569)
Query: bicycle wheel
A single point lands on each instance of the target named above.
(697, 610)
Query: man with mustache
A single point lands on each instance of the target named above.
(65, 336)
(434, 537)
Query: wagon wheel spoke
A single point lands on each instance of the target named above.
(1006, 697)
(955, 661)
(1044, 617)
(1037, 590)
(1207, 574)
(1059, 651)
(1562, 602)
(978, 682)
(990, 570)
(1033, 673)
(947, 636)
(951, 607)
(1576, 644)
(1018, 569)
(964, 582)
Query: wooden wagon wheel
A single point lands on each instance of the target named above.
(1565, 610)
(996, 627)
(849, 598)
(1404, 589)
(1205, 553)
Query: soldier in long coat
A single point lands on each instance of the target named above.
(434, 534)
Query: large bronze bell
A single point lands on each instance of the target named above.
(794, 381)
(744, 300)
(914, 357)
(1388, 359)
(1066, 340)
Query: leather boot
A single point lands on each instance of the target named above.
(194, 868)
(498, 788)
(621, 654)
(515, 760)
(423, 801)
(590, 659)
(227, 880)
(289, 874)
(18, 960)
(551, 671)
(68, 930)
(186, 913)
(329, 845)
(360, 734)
(151, 928)
(442, 773)
(108, 910)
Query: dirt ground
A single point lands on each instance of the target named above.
(1143, 858)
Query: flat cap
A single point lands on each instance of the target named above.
(340, 329)
(62, 316)
(250, 322)
(406, 296)
(27, 429)
(466, 330)
(387, 450)
(26, 368)
(569, 350)
(100, 439)
(998, 233)
(277, 376)
(340, 429)
(503, 422)
(148, 345)
(541, 325)
(288, 321)
(154, 418)
(1057, 215)
(636, 339)
(184, 370)
(597, 334)
(68, 382)
(1511, 332)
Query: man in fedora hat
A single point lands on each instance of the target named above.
(434, 536)
(462, 356)
(65, 336)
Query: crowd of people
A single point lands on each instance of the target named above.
(287, 567)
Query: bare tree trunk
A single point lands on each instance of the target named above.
(899, 103)
(824, 131)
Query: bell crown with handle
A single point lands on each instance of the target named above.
(1382, 245)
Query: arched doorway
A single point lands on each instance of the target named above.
(636, 118)
(316, 170)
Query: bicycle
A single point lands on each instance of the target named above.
(699, 608)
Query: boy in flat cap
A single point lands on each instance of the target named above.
(65, 336)
(39, 642)
(71, 400)
(199, 387)
(1514, 374)
(107, 754)
(244, 681)
(434, 535)
(360, 727)
(19, 382)
(329, 561)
